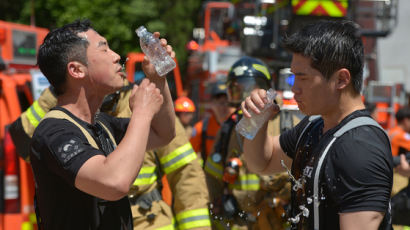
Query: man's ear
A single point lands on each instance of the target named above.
(343, 78)
(76, 69)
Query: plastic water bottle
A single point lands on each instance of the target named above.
(248, 127)
(156, 53)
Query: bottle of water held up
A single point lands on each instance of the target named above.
(248, 127)
(156, 53)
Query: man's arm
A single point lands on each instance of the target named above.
(110, 177)
(263, 154)
(364, 220)
(163, 123)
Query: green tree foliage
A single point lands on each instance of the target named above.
(10, 10)
(115, 19)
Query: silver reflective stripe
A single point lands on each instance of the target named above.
(360, 121)
(35, 114)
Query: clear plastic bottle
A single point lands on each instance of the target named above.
(156, 53)
(248, 127)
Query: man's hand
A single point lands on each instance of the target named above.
(256, 102)
(403, 168)
(149, 68)
(146, 98)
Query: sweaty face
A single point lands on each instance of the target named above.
(313, 93)
(104, 69)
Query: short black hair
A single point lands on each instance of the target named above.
(331, 45)
(402, 114)
(61, 46)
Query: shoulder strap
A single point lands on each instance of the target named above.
(311, 119)
(109, 134)
(356, 122)
(222, 143)
(61, 115)
(204, 137)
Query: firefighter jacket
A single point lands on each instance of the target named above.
(258, 200)
(177, 160)
(22, 129)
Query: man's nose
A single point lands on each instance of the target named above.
(116, 56)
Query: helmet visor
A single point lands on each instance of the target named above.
(240, 88)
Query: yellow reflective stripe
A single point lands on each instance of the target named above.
(329, 6)
(178, 158)
(332, 9)
(35, 113)
(193, 219)
(307, 7)
(213, 168)
(250, 182)
(27, 226)
(32, 217)
(146, 176)
(262, 69)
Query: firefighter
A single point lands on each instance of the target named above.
(185, 109)
(400, 144)
(177, 161)
(204, 131)
(249, 201)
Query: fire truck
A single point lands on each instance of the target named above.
(20, 83)
(134, 73)
(256, 29)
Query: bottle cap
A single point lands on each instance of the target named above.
(140, 31)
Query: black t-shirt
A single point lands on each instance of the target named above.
(58, 150)
(356, 175)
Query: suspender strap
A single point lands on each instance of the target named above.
(356, 122)
(225, 134)
(204, 137)
(311, 119)
(109, 134)
(61, 115)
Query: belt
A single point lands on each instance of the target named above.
(145, 200)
